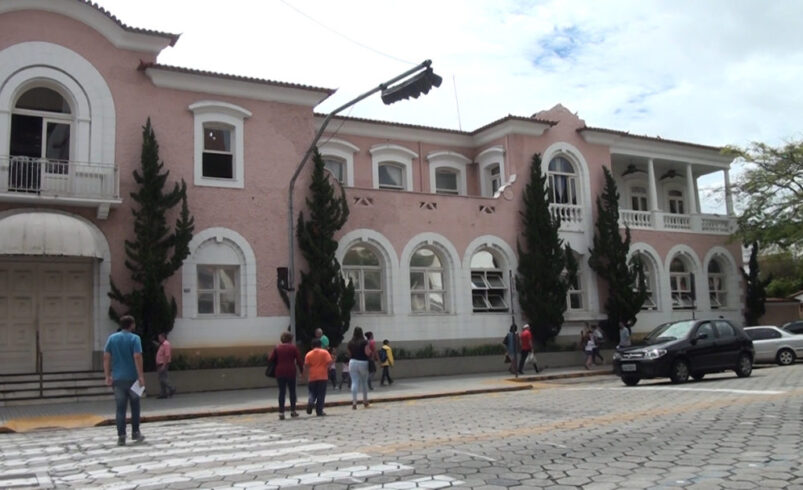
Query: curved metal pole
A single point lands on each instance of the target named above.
(291, 290)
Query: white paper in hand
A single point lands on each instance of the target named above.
(137, 389)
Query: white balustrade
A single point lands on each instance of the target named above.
(636, 219)
(20, 175)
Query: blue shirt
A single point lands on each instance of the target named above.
(122, 346)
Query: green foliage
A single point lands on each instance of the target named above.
(770, 194)
(786, 271)
(182, 362)
(546, 268)
(756, 294)
(156, 252)
(324, 298)
(627, 288)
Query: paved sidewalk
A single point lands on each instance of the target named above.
(25, 418)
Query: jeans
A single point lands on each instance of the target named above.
(122, 397)
(359, 379)
(317, 394)
(284, 384)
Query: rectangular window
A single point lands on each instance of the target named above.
(391, 177)
(218, 157)
(488, 291)
(446, 182)
(218, 290)
(680, 284)
(334, 166)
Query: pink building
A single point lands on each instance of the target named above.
(430, 243)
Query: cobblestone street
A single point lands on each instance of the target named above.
(723, 432)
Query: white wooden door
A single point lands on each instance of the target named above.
(53, 299)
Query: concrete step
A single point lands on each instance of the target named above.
(51, 391)
(29, 377)
(54, 399)
(49, 385)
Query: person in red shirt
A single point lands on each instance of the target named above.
(316, 364)
(526, 339)
(163, 358)
(286, 356)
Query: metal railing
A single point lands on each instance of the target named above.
(47, 177)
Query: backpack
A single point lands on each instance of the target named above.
(383, 355)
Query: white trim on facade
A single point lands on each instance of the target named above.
(452, 160)
(220, 237)
(455, 302)
(226, 115)
(501, 249)
(657, 272)
(390, 267)
(733, 290)
(692, 261)
(343, 150)
(485, 159)
(395, 154)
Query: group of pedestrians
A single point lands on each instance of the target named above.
(319, 367)
(592, 338)
(519, 349)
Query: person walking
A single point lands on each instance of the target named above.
(323, 338)
(511, 342)
(345, 377)
(526, 339)
(122, 366)
(588, 345)
(599, 338)
(386, 358)
(316, 365)
(163, 359)
(287, 359)
(359, 353)
(624, 335)
(373, 357)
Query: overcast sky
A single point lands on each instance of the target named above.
(709, 72)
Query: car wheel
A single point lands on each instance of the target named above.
(785, 357)
(680, 371)
(630, 380)
(744, 366)
(698, 376)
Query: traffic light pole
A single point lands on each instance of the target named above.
(291, 289)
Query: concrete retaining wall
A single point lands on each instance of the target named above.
(254, 377)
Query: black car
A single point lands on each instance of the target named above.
(686, 348)
(795, 327)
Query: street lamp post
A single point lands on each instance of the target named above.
(416, 81)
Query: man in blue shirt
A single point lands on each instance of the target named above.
(122, 365)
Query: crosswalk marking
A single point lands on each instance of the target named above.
(177, 452)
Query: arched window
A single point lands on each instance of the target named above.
(489, 291)
(680, 281)
(638, 198)
(40, 145)
(362, 266)
(649, 278)
(716, 285)
(427, 282)
(562, 182)
(675, 201)
(575, 296)
(218, 267)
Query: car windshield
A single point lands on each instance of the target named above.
(669, 331)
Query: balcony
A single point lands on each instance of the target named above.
(48, 181)
(693, 223)
(571, 216)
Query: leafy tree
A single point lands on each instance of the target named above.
(786, 271)
(627, 288)
(756, 294)
(157, 251)
(547, 268)
(324, 298)
(770, 192)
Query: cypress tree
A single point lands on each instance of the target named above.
(156, 252)
(324, 299)
(756, 293)
(546, 267)
(627, 288)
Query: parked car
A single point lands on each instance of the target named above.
(686, 348)
(795, 327)
(775, 345)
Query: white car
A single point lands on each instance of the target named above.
(775, 345)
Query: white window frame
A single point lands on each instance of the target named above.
(482, 287)
(572, 182)
(486, 159)
(670, 198)
(210, 113)
(681, 297)
(359, 291)
(344, 151)
(718, 296)
(638, 191)
(399, 155)
(426, 291)
(448, 160)
(649, 278)
(217, 290)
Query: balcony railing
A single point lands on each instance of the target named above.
(571, 215)
(657, 220)
(22, 176)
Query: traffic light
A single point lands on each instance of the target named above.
(412, 87)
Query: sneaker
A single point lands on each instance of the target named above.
(121, 440)
(321, 414)
(138, 437)
(294, 414)
(309, 408)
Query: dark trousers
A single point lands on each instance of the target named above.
(345, 378)
(598, 355)
(285, 385)
(523, 358)
(317, 394)
(386, 375)
(165, 388)
(122, 398)
(333, 378)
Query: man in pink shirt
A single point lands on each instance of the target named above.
(163, 358)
